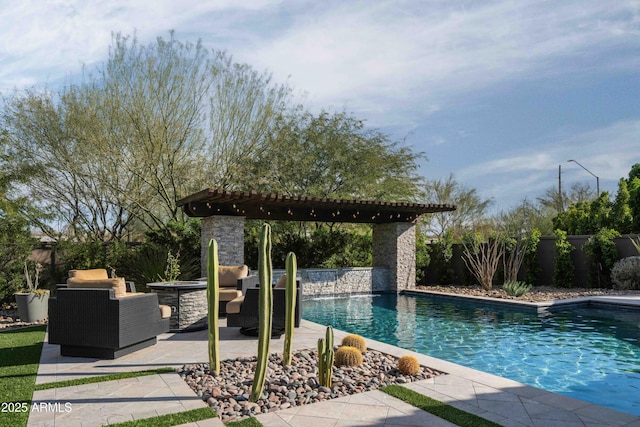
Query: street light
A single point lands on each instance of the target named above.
(597, 179)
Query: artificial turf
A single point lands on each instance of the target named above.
(19, 358)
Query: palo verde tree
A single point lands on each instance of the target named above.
(470, 207)
(133, 137)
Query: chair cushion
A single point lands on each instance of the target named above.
(117, 284)
(229, 294)
(233, 306)
(165, 311)
(282, 282)
(93, 274)
(229, 274)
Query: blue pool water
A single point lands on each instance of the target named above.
(585, 352)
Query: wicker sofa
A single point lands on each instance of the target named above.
(97, 318)
(244, 311)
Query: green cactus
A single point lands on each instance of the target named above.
(325, 358)
(213, 297)
(290, 296)
(348, 356)
(265, 275)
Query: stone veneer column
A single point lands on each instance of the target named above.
(394, 248)
(229, 233)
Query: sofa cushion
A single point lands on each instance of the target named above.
(165, 311)
(229, 274)
(233, 306)
(93, 274)
(282, 282)
(117, 284)
(227, 294)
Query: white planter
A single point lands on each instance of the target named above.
(32, 307)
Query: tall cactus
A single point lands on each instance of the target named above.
(265, 274)
(325, 358)
(213, 301)
(290, 298)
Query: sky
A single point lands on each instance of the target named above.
(498, 93)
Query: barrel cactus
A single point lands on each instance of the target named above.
(357, 341)
(348, 356)
(408, 365)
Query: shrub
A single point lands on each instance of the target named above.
(531, 265)
(602, 250)
(625, 273)
(15, 246)
(564, 270)
(516, 288)
(348, 356)
(408, 365)
(356, 341)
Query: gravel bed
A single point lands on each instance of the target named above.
(536, 294)
(228, 392)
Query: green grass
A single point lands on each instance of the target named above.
(437, 408)
(247, 422)
(172, 419)
(102, 378)
(19, 358)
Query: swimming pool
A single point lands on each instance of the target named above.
(587, 352)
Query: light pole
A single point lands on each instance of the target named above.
(597, 179)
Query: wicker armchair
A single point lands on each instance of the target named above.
(94, 323)
(244, 311)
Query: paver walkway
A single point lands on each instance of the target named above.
(504, 401)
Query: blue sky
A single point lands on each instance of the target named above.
(498, 93)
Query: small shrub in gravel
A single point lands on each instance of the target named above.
(625, 273)
(290, 386)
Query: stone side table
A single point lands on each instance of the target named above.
(188, 302)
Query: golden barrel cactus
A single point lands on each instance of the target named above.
(348, 356)
(408, 365)
(356, 341)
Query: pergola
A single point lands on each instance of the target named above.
(224, 212)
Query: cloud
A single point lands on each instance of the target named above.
(608, 152)
(397, 52)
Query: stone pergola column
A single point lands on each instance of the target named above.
(394, 248)
(229, 233)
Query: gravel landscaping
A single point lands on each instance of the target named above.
(295, 385)
(536, 294)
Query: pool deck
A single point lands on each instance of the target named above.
(503, 401)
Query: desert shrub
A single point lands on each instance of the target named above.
(348, 356)
(408, 365)
(531, 266)
(356, 341)
(603, 253)
(423, 259)
(563, 270)
(516, 288)
(625, 273)
(441, 255)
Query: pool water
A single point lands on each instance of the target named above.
(585, 352)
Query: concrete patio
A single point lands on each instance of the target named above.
(501, 400)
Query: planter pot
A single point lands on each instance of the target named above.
(32, 307)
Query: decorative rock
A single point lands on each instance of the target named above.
(289, 386)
